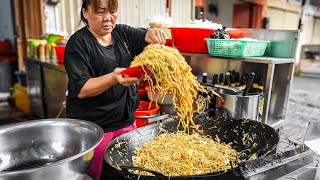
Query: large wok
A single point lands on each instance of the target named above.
(252, 137)
(52, 149)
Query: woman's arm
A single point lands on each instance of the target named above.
(96, 86)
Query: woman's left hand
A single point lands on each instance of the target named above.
(155, 35)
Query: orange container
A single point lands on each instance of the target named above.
(145, 111)
(60, 53)
(187, 39)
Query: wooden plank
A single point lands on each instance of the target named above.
(19, 32)
(256, 16)
(169, 6)
(241, 15)
(283, 5)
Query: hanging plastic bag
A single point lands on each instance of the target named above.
(220, 34)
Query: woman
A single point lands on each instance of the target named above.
(95, 56)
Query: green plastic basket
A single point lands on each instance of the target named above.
(236, 48)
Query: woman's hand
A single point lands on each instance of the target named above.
(124, 80)
(155, 35)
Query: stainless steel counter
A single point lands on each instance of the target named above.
(263, 60)
(276, 66)
(52, 64)
(47, 85)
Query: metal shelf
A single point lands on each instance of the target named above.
(264, 60)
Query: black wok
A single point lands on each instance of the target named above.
(251, 137)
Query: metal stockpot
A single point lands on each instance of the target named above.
(53, 149)
(239, 106)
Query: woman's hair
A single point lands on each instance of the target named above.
(112, 5)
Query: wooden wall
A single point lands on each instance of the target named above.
(29, 24)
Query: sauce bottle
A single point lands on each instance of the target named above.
(227, 79)
(237, 79)
(221, 80)
(261, 83)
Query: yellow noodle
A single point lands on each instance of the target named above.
(172, 75)
(180, 154)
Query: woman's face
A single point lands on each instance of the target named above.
(102, 20)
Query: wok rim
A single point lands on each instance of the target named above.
(216, 173)
(57, 163)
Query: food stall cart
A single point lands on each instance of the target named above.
(48, 80)
(276, 66)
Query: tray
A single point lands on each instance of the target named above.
(236, 48)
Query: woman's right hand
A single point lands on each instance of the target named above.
(124, 80)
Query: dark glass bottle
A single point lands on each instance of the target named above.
(233, 81)
(237, 79)
(227, 79)
(244, 80)
(233, 73)
(215, 79)
(205, 78)
(255, 83)
(202, 105)
(261, 83)
(221, 79)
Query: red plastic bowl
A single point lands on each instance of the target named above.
(136, 71)
(238, 33)
(142, 92)
(190, 39)
(60, 53)
(169, 42)
(144, 112)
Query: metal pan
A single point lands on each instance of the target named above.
(261, 140)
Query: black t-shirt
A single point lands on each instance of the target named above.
(86, 58)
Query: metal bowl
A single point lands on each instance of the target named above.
(155, 97)
(48, 149)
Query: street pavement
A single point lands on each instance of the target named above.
(304, 106)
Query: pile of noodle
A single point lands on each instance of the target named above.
(172, 75)
(181, 153)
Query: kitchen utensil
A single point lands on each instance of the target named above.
(136, 71)
(158, 118)
(234, 89)
(145, 111)
(162, 99)
(251, 137)
(312, 141)
(48, 149)
(249, 84)
(238, 106)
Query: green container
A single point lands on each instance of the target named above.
(236, 47)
